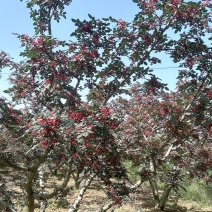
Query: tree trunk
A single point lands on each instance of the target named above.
(153, 182)
(165, 196)
(76, 177)
(41, 171)
(155, 192)
(30, 192)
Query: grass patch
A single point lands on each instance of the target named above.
(132, 170)
(198, 191)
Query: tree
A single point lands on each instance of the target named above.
(168, 136)
(56, 131)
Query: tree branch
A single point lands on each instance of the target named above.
(77, 202)
(12, 165)
(105, 207)
(57, 189)
(197, 94)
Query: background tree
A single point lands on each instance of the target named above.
(164, 137)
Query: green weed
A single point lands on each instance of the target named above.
(198, 191)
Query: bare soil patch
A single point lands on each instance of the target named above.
(95, 198)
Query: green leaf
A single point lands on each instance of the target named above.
(105, 19)
(90, 16)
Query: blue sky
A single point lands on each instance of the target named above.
(15, 18)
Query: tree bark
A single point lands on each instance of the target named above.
(153, 182)
(165, 196)
(41, 172)
(57, 188)
(30, 192)
(77, 202)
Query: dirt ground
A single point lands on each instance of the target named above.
(95, 198)
(142, 202)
